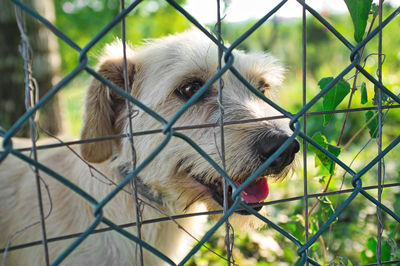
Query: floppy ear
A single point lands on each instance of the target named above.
(104, 109)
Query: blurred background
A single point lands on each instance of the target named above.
(351, 240)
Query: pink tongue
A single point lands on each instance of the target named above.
(256, 192)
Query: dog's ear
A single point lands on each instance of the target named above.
(104, 109)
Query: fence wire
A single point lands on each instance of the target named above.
(171, 131)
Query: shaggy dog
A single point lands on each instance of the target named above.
(163, 74)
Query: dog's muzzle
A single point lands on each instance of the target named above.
(258, 190)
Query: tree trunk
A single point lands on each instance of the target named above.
(46, 65)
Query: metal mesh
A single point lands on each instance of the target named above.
(170, 132)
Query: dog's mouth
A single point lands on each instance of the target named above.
(256, 192)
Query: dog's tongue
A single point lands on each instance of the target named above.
(257, 191)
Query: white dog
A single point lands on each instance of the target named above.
(163, 74)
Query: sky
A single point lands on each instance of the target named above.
(240, 10)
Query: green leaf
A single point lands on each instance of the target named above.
(327, 208)
(325, 211)
(320, 157)
(335, 150)
(334, 96)
(364, 94)
(375, 100)
(371, 245)
(321, 140)
(373, 125)
(366, 258)
(359, 11)
(386, 250)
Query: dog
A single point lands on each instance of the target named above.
(163, 74)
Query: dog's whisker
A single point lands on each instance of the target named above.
(201, 195)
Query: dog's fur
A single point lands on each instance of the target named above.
(158, 73)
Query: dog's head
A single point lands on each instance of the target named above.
(164, 74)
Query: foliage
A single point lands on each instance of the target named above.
(359, 11)
(334, 96)
(372, 122)
(320, 157)
(82, 20)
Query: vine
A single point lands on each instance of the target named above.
(361, 11)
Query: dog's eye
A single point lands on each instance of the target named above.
(263, 86)
(188, 89)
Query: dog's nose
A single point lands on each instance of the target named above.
(268, 145)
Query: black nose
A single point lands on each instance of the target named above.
(266, 146)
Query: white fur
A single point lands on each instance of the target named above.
(160, 67)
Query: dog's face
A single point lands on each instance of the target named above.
(164, 75)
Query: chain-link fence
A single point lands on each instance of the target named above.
(170, 130)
